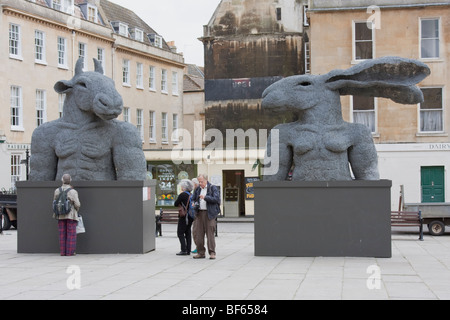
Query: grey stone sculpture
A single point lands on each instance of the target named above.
(321, 146)
(88, 142)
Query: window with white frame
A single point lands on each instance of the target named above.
(175, 137)
(164, 127)
(16, 108)
(164, 80)
(364, 111)
(432, 111)
(139, 75)
(307, 58)
(82, 54)
(152, 78)
(101, 58)
(175, 83)
(57, 5)
(140, 122)
(41, 107)
(15, 169)
(126, 72)
(62, 52)
(66, 6)
(120, 28)
(15, 42)
(126, 114)
(158, 41)
(92, 13)
(429, 38)
(152, 126)
(39, 46)
(362, 41)
(123, 29)
(61, 99)
(138, 35)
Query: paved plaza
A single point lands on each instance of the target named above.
(417, 270)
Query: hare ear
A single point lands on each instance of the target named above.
(389, 77)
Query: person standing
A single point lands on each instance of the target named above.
(208, 197)
(67, 224)
(195, 182)
(185, 223)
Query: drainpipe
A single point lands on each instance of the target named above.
(74, 52)
(113, 61)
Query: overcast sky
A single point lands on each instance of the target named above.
(176, 20)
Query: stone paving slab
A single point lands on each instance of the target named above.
(417, 270)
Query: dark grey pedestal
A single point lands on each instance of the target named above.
(119, 217)
(330, 219)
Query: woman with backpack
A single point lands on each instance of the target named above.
(185, 217)
(67, 216)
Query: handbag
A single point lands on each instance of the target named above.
(80, 225)
(182, 210)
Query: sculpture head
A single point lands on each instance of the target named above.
(389, 77)
(93, 92)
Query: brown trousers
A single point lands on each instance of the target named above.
(202, 226)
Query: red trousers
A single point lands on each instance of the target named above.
(67, 237)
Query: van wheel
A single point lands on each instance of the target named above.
(436, 228)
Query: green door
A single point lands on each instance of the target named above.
(432, 184)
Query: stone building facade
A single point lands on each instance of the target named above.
(412, 140)
(44, 40)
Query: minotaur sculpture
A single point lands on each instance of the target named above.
(88, 142)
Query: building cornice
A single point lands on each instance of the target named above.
(54, 24)
(147, 55)
(393, 6)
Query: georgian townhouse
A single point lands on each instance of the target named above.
(412, 140)
(43, 39)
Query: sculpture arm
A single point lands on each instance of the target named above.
(363, 156)
(129, 159)
(279, 156)
(43, 161)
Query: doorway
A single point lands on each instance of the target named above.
(233, 195)
(433, 185)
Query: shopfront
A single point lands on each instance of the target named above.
(168, 177)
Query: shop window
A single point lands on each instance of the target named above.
(168, 177)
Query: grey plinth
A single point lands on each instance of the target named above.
(119, 217)
(330, 219)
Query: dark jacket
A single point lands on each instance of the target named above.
(183, 198)
(212, 199)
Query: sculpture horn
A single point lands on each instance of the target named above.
(79, 67)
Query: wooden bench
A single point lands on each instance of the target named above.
(166, 216)
(169, 216)
(408, 219)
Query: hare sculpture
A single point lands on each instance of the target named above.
(87, 141)
(321, 146)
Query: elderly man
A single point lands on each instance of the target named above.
(208, 198)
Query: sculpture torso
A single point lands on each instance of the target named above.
(319, 153)
(85, 151)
